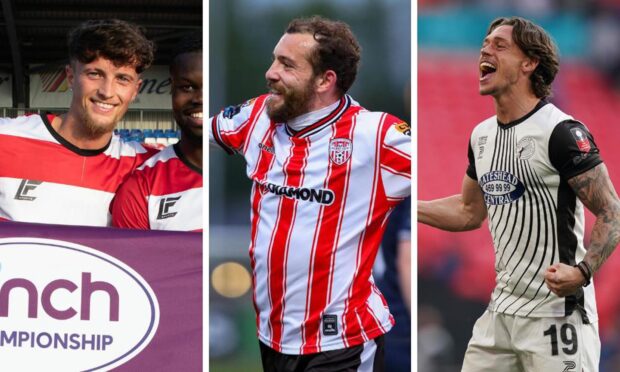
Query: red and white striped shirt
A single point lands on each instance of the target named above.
(45, 179)
(165, 193)
(320, 200)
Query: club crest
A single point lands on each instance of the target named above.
(340, 150)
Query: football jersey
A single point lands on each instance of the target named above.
(320, 199)
(165, 193)
(45, 179)
(534, 216)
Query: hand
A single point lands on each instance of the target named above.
(563, 280)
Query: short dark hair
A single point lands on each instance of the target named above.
(121, 42)
(190, 43)
(337, 49)
(534, 41)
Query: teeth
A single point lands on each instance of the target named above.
(106, 106)
(487, 67)
(196, 115)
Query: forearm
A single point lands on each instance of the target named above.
(450, 214)
(604, 237)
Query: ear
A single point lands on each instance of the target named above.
(326, 81)
(529, 65)
(135, 94)
(70, 75)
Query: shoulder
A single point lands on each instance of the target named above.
(120, 148)
(244, 109)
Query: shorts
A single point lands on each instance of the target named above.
(509, 343)
(367, 357)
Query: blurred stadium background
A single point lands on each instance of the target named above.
(456, 271)
(242, 36)
(34, 36)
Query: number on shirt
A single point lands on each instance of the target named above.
(568, 335)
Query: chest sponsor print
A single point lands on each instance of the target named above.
(501, 187)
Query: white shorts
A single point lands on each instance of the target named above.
(510, 343)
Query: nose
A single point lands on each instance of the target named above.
(272, 74)
(105, 89)
(197, 97)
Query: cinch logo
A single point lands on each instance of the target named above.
(88, 287)
(164, 207)
(25, 187)
(323, 196)
(500, 187)
(64, 306)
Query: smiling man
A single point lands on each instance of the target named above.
(165, 193)
(326, 173)
(531, 170)
(65, 169)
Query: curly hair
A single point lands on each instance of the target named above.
(121, 42)
(337, 49)
(534, 41)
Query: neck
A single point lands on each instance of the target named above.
(192, 150)
(510, 107)
(72, 129)
(322, 100)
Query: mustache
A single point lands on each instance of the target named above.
(272, 86)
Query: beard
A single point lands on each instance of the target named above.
(94, 129)
(295, 102)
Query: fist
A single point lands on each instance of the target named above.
(564, 280)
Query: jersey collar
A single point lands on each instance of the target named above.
(319, 121)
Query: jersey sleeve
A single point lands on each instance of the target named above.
(129, 207)
(231, 127)
(471, 167)
(395, 158)
(572, 149)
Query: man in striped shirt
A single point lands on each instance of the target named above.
(326, 173)
(531, 170)
(65, 169)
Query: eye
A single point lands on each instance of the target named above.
(93, 74)
(186, 88)
(124, 79)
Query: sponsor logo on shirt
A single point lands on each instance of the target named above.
(525, 148)
(164, 207)
(25, 188)
(330, 325)
(500, 187)
(581, 139)
(340, 150)
(322, 196)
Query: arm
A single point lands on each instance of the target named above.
(403, 265)
(595, 190)
(461, 212)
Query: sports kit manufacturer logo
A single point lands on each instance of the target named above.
(25, 188)
(65, 306)
(501, 187)
(340, 150)
(525, 148)
(164, 207)
(569, 366)
(481, 142)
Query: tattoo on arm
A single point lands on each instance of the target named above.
(595, 190)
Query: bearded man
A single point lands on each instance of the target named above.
(326, 173)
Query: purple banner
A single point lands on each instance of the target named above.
(84, 298)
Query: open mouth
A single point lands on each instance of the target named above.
(486, 69)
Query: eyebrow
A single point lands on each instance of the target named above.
(284, 59)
